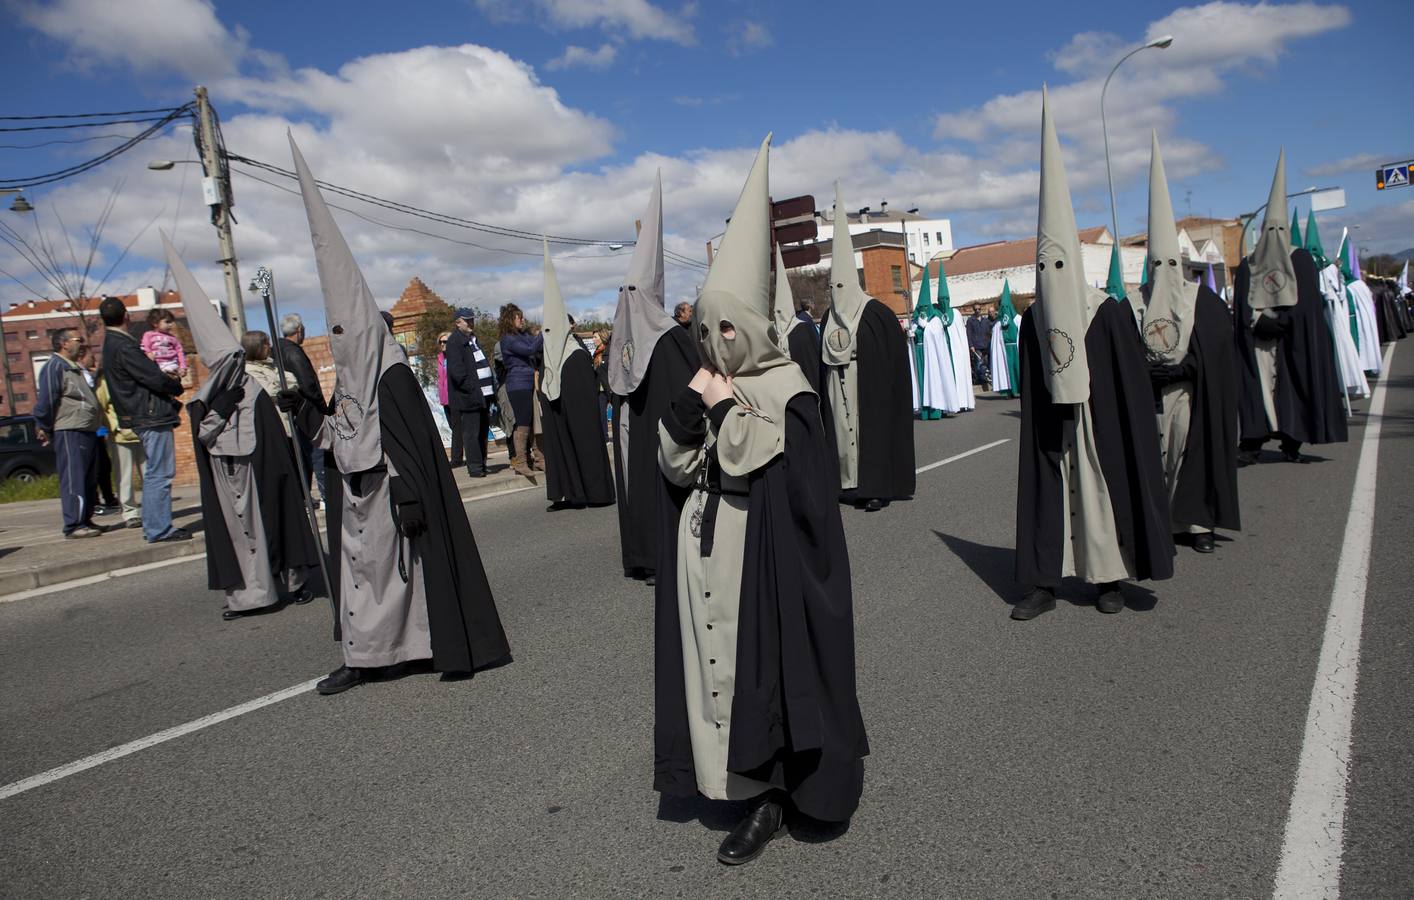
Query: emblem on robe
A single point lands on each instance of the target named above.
(1161, 335)
(1061, 349)
(626, 357)
(347, 415)
(839, 339)
(1274, 282)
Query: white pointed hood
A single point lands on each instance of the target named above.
(640, 319)
(555, 328)
(1273, 281)
(783, 306)
(362, 346)
(1169, 298)
(847, 298)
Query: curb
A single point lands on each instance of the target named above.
(86, 567)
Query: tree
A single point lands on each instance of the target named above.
(436, 321)
(811, 290)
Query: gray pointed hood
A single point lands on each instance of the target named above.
(1064, 301)
(640, 319)
(1169, 298)
(847, 298)
(736, 293)
(1273, 281)
(361, 344)
(222, 355)
(783, 306)
(555, 328)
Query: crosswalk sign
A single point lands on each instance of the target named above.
(1392, 176)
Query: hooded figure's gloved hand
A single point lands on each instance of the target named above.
(225, 403)
(288, 400)
(411, 521)
(1269, 327)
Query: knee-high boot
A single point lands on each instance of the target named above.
(520, 462)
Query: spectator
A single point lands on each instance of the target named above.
(146, 401)
(68, 414)
(682, 314)
(470, 390)
(126, 451)
(454, 416)
(162, 346)
(601, 375)
(298, 367)
(262, 369)
(108, 503)
(518, 351)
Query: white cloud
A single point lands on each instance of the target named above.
(637, 19)
(148, 35)
(746, 36)
(1356, 163)
(581, 57)
(1379, 229)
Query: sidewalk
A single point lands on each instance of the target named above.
(34, 553)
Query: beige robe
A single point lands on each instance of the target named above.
(1092, 550)
(843, 396)
(1173, 443)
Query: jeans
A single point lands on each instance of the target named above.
(161, 451)
(76, 457)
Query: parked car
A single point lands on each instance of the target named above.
(22, 456)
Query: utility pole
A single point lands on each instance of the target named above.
(216, 193)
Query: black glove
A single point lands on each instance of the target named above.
(288, 400)
(411, 522)
(1269, 327)
(225, 403)
(1164, 374)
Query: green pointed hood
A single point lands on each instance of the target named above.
(1313, 240)
(1114, 285)
(944, 301)
(1343, 257)
(1296, 227)
(1273, 275)
(923, 310)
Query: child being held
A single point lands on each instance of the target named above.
(162, 346)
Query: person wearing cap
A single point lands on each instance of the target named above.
(1091, 501)
(470, 389)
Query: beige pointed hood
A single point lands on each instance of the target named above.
(361, 344)
(1169, 298)
(555, 327)
(640, 318)
(1273, 281)
(736, 294)
(847, 298)
(1064, 301)
(783, 316)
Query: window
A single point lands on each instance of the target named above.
(17, 376)
(31, 334)
(940, 238)
(925, 238)
(21, 398)
(897, 273)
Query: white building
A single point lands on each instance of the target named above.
(926, 237)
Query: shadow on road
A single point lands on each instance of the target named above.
(723, 816)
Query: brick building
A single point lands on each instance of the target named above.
(879, 260)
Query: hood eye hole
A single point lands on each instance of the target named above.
(702, 331)
(338, 329)
(1173, 262)
(1060, 264)
(1041, 266)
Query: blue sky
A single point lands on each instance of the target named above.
(551, 115)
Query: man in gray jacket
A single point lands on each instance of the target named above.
(69, 416)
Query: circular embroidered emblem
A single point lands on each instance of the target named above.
(1062, 350)
(626, 357)
(1161, 335)
(1274, 282)
(348, 416)
(839, 339)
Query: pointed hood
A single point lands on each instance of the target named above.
(1313, 240)
(1210, 280)
(1404, 279)
(1354, 256)
(735, 294)
(1296, 240)
(1169, 298)
(944, 302)
(1273, 275)
(924, 309)
(847, 298)
(1114, 285)
(640, 319)
(1064, 302)
(1006, 313)
(362, 346)
(555, 328)
(1342, 256)
(222, 355)
(783, 316)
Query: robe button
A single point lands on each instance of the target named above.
(350, 643)
(714, 693)
(709, 624)
(707, 594)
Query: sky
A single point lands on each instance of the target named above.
(551, 116)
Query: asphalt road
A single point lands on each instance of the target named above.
(1148, 754)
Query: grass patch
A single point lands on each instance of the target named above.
(45, 488)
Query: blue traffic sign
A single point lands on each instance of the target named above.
(1392, 176)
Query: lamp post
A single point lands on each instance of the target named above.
(20, 205)
(1158, 43)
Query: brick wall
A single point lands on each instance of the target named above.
(879, 263)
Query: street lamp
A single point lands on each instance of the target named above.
(1158, 43)
(20, 204)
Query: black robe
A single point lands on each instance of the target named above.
(1206, 494)
(1251, 410)
(795, 715)
(1387, 318)
(637, 478)
(465, 628)
(576, 464)
(885, 420)
(804, 343)
(282, 513)
(1127, 439)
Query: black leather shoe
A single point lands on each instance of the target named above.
(1204, 542)
(230, 614)
(302, 596)
(874, 505)
(748, 839)
(1247, 457)
(1110, 600)
(1294, 457)
(478, 473)
(340, 680)
(1036, 601)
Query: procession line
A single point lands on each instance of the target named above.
(942, 462)
(1315, 824)
(152, 740)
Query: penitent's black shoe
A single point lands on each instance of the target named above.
(1204, 542)
(1110, 600)
(1246, 458)
(748, 839)
(873, 505)
(1036, 601)
(340, 680)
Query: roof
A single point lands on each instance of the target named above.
(1002, 254)
(866, 240)
(415, 299)
(87, 304)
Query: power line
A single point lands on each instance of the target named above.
(103, 124)
(49, 178)
(82, 140)
(125, 112)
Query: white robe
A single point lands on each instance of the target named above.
(1348, 364)
(913, 366)
(1369, 331)
(941, 387)
(961, 363)
(1001, 374)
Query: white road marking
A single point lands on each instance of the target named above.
(942, 462)
(1315, 824)
(152, 740)
(98, 579)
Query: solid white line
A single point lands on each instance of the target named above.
(98, 579)
(942, 462)
(1315, 823)
(152, 740)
